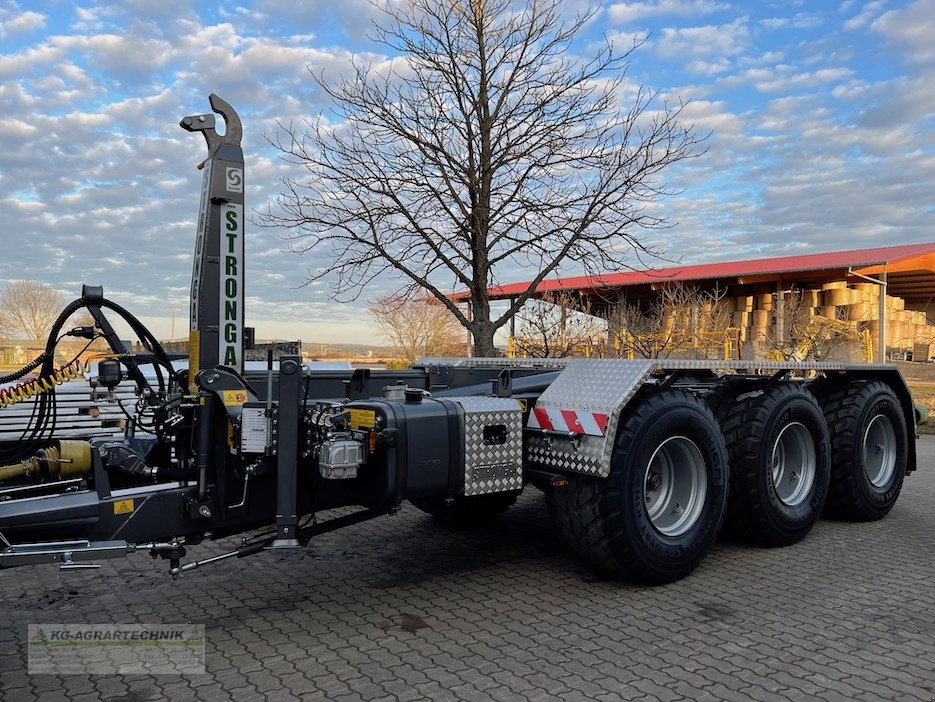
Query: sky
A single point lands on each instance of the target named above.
(821, 117)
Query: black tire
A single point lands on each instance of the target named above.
(865, 479)
(721, 397)
(475, 510)
(780, 465)
(610, 521)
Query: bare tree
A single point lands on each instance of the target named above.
(30, 307)
(805, 336)
(484, 144)
(418, 327)
(680, 321)
(555, 327)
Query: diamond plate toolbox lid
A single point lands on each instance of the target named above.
(493, 444)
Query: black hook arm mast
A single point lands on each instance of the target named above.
(216, 336)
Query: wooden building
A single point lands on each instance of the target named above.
(883, 299)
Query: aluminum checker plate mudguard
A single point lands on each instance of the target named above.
(605, 386)
(492, 467)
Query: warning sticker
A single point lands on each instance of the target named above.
(123, 507)
(363, 419)
(234, 397)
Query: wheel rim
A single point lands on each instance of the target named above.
(675, 485)
(879, 451)
(793, 465)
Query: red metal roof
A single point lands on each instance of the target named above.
(836, 260)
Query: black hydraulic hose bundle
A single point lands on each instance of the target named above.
(41, 423)
(146, 336)
(17, 374)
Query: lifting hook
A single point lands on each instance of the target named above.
(206, 123)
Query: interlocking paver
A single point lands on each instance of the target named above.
(405, 609)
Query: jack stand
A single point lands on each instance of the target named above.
(287, 461)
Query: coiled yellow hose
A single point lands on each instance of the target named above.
(24, 391)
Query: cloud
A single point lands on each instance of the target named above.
(709, 42)
(713, 115)
(801, 20)
(120, 56)
(907, 101)
(349, 19)
(806, 173)
(21, 23)
(625, 12)
(16, 129)
(866, 15)
(911, 29)
(785, 77)
(88, 19)
(820, 140)
(29, 60)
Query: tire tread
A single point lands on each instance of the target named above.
(843, 406)
(744, 425)
(587, 510)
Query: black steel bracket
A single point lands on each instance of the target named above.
(287, 520)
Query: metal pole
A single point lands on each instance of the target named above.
(780, 322)
(881, 281)
(882, 341)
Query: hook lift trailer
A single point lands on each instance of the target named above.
(642, 461)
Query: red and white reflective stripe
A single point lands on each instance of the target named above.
(590, 423)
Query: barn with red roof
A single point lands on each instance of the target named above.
(884, 296)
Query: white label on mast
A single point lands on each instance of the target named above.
(231, 280)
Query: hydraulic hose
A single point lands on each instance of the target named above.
(17, 374)
(24, 391)
(41, 423)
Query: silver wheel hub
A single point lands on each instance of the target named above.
(675, 486)
(879, 451)
(793, 464)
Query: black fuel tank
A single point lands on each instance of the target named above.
(419, 449)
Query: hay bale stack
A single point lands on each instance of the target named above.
(811, 298)
(740, 320)
(863, 310)
(763, 301)
(838, 297)
(836, 285)
(759, 320)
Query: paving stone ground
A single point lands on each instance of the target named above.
(401, 608)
